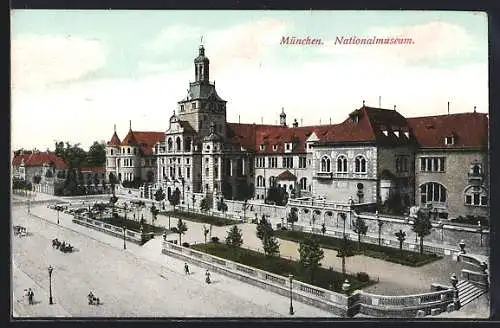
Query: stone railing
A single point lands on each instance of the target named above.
(479, 275)
(406, 306)
(320, 204)
(477, 278)
(302, 292)
(133, 236)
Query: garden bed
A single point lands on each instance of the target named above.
(203, 218)
(390, 254)
(324, 278)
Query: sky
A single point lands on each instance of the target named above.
(75, 74)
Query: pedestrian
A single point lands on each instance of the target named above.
(30, 296)
(186, 268)
(207, 277)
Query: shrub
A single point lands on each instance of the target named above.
(173, 229)
(362, 276)
(184, 244)
(215, 240)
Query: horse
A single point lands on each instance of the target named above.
(56, 243)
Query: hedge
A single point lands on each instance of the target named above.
(203, 218)
(130, 224)
(324, 278)
(390, 254)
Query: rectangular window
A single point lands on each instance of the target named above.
(187, 160)
(475, 199)
(302, 162)
(188, 172)
(207, 171)
(180, 171)
(432, 164)
(468, 199)
(216, 172)
(484, 200)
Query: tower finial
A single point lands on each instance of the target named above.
(114, 128)
(201, 40)
(363, 103)
(394, 107)
(474, 109)
(130, 125)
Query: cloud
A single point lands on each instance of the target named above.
(431, 41)
(38, 61)
(169, 37)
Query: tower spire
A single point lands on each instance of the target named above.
(114, 128)
(130, 125)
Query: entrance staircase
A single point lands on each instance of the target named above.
(467, 292)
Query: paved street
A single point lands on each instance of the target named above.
(138, 282)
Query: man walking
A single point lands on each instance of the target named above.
(186, 268)
(30, 296)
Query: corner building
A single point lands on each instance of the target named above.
(371, 155)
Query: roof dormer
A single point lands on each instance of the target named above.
(450, 140)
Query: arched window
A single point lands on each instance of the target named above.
(342, 164)
(325, 164)
(272, 181)
(178, 144)
(169, 144)
(432, 192)
(260, 181)
(360, 164)
(476, 196)
(303, 183)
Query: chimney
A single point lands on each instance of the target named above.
(474, 109)
(330, 121)
(363, 103)
(262, 120)
(295, 123)
(379, 101)
(394, 107)
(448, 108)
(301, 124)
(239, 119)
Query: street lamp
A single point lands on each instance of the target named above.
(57, 215)
(124, 231)
(50, 268)
(480, 232)
(344, 217)
(461, 244)
(441, 225)
(290, 277)
(345, 286)
(28, 202)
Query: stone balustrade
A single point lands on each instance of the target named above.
(132, 236)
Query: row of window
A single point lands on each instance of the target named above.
(204, 105)
(359, 164)
(287, 162)
(124, 150)
(435, 192)
(261, 182)
(432, 164)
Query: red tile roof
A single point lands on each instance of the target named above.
(368, 128)
(145, 139)
(469, 129)
(39, 159)
(115, 141)
(286, 175)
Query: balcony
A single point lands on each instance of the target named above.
(323, 175)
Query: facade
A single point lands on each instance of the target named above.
(373, 155)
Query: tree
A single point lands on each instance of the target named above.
(310, 256)
(277, 195)
(206, 203)
(96, 156)
(234, 237)
(175, 198)
(113, 180)
(265, 233)
(180, 229)
(154, 212)
(422, 227)
(112, 200)
(245, 207)
(401, 236)
(221, 206)
(159, 196)
(360, 227)
(344, 251)
(227, 190)
(205, 232)
(37, 179)
(292, 216)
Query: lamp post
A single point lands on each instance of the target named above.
(290, 277)
(461, 244)
(345, 286)
(124, 232)
(57, 215)
(454, 282)
(344, 217)
(50, 284)
(480, 228)
(28, 201)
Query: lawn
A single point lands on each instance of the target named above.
(133, 225)
(324, 278)
(203, 218)
(390, 254)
